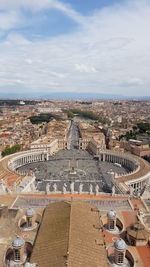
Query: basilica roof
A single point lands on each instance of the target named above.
(68, 237)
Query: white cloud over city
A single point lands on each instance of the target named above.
(108, 52)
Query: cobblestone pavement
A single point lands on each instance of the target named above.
(73, 136)
(74, 169)
(87, 171)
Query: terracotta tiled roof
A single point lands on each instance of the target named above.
(51, 244)
(69, 236)
(9, 176)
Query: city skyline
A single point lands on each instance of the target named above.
(74, 46)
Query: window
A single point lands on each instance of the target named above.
(112, 225)
(17, 255)
(132, 242)
(29, 222)
(120, 257)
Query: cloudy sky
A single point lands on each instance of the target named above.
(95, 46)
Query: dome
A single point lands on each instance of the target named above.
(111, 214)
(18, 242)
(138, 227)
(137, 232)
(120, 244)
(30, 212)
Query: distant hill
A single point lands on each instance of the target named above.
(75, 95)
(70, 95)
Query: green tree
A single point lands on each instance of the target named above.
(10, 150)
(47, 117)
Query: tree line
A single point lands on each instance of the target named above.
(141, 128)
(44, 117)
(11, 150)
(85, 114)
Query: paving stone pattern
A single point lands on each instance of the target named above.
(88, 172)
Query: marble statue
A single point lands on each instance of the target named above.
(55, 187)
(64, 188)
(113, 190)
(97, 189)
(3, 187)
(80, 188)
(72, 187)
(47, 188)
(140, 212)
(91, 189)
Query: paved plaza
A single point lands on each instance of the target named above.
(75, 168)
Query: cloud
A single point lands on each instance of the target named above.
(33, 5)
(108, 53)
(135, 81)
(10, 19)
(85, 68)
(58, 75)
(28, 60)
(66, 9)
(132, 82)
(17, 39)
(38, 5)
(10, 81)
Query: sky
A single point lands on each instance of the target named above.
(83, 46)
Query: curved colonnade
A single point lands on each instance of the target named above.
(129, 163)
(139, 170)
(9, 175)
(25, 158)
(135, 180)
